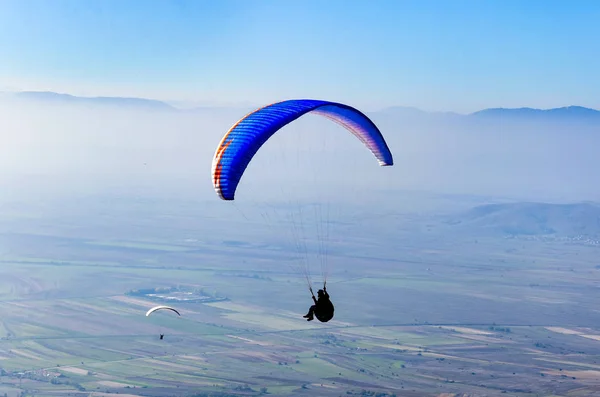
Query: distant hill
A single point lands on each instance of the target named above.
(138, 103)
(564, 113)
(53, 97)
(531, 219)
(569, 113)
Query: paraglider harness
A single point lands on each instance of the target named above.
(319, 308)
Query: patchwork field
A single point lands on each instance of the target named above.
(440, 316)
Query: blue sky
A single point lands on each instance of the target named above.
(435, 55)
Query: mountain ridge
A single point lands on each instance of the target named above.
(531, 219)
(55, 97)
(565, 112)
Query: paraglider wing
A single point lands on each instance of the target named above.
(161, 308)
(244, 139)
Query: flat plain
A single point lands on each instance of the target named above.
(420, 310)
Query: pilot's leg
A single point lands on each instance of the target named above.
(311, 312)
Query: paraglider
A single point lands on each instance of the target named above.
(249, 134)
(242, 141)
(154, 309)
(149, 312)
(323, 308)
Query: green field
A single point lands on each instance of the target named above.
(440, 314)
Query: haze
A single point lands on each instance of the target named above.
(468, 268)
(102, 147)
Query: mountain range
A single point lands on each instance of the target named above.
(513, 114)
(531, 218)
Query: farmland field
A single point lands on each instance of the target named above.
(416, 314)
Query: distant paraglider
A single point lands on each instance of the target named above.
(154, 309)
(149, 312)
(245, 138)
